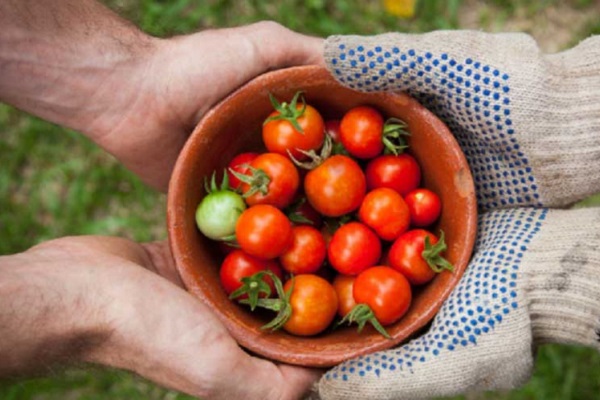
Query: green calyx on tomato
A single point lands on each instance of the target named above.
(315, 159)
(432, 254)
(253, 286)
(281, 305)
(394, 134)
(332, 224)
(294, 212)
(361, 314)
(218, 212)
(289, 112)
(257, 179)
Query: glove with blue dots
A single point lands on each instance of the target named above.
(529, 124)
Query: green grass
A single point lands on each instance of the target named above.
(45, 194)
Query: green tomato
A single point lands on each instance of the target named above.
(218, 213)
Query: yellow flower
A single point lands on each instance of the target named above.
(400, 8)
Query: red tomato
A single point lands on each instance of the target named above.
(239, 164)
(336, 187)
(353, 248)
(263, 231)
(332, 128)
(276, 185)
(424, 205)
(385, 290)
(314, 304)
(385, 211)
(361, 132)
(280, 136)
(343, 285)
(406, 256)
(307, 251)
(238, 265)
(401, 173)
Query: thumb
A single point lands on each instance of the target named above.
(226, 58)
(275, 46)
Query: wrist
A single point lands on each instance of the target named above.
(46, 314)
(69, 69)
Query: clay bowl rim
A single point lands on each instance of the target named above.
(311, 351)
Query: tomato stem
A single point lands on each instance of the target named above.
(258, 180)
(432, 254)
(288, 112)
(281, 304)
(361, 314)
(315, 159)
(394, 134)
(253, 286)
(212, 187)
(294, 214)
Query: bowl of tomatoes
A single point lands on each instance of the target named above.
(320, 223)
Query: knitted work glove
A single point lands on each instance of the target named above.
(529, 126)
(527, 122)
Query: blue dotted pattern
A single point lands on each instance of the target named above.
(469, 96)
(479, 304)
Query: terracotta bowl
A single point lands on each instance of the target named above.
(234, 126)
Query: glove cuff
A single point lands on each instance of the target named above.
(563, 133)
(562, 279)
(527, 122)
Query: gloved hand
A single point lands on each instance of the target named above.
(528, 124)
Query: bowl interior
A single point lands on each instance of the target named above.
(234, 126)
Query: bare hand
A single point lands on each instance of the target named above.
(181, 80)
(106, 296)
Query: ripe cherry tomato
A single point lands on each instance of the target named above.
(280, 135)
(314, 304)
(385, 290)
(332, 128)
(361, 132)
(406, 256)
(385, 211)
(307, 251)
(238, 265)
(239, 164)
(401, 173)
(353, 248)
(343, 285)
(424, 205)
(336, 187)
(263, 231)
(275, 181)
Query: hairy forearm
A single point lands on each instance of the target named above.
(65, 60)
(43, 321)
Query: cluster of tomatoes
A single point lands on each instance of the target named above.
(329, 220)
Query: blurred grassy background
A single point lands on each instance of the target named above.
(53, 182)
